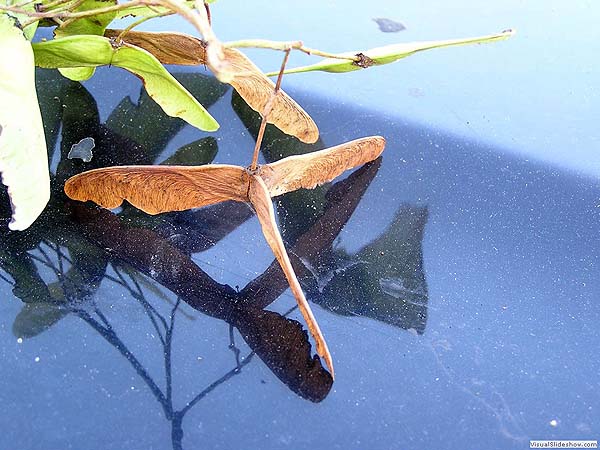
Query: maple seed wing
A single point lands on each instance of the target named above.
(169, 48)
(313, 169)
(261, 201)
(157, 189)
(246, 78)
(256, 90)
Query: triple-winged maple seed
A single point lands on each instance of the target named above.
(158, 189)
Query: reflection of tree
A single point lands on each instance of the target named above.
(36, 316)
(57, 266)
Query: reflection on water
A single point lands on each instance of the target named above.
(385, 280)
(56, 267)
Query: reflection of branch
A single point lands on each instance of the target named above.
(167, 344)
(211, 387)
(152, 255)
(111, 337)
(149, 309)
(165, 399)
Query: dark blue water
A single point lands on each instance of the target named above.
(456, 281)
(456, 286)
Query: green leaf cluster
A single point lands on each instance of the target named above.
(88, 51)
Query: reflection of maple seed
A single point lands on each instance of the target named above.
(157, 189)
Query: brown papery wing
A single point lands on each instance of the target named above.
(157, 189)
(248, 80)
(169, 48)
(261, 201)
(313, 169)
(256, 89)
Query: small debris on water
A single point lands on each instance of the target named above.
(82, 150)
(554, 423)
(388, 25)
(37, 359)
(20, 341)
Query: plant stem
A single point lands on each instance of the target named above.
(207, 8)
(139, 22)
(27, 2)
(50, 5)
(76, 15)
(279, 45)
(196, 17)
(199, 19)
(267, 110)
(71, 7)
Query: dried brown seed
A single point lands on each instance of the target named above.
(313, 169)
(262, 203)
(256, 89)
(169, 48)
(157, 189)
(246, 78)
